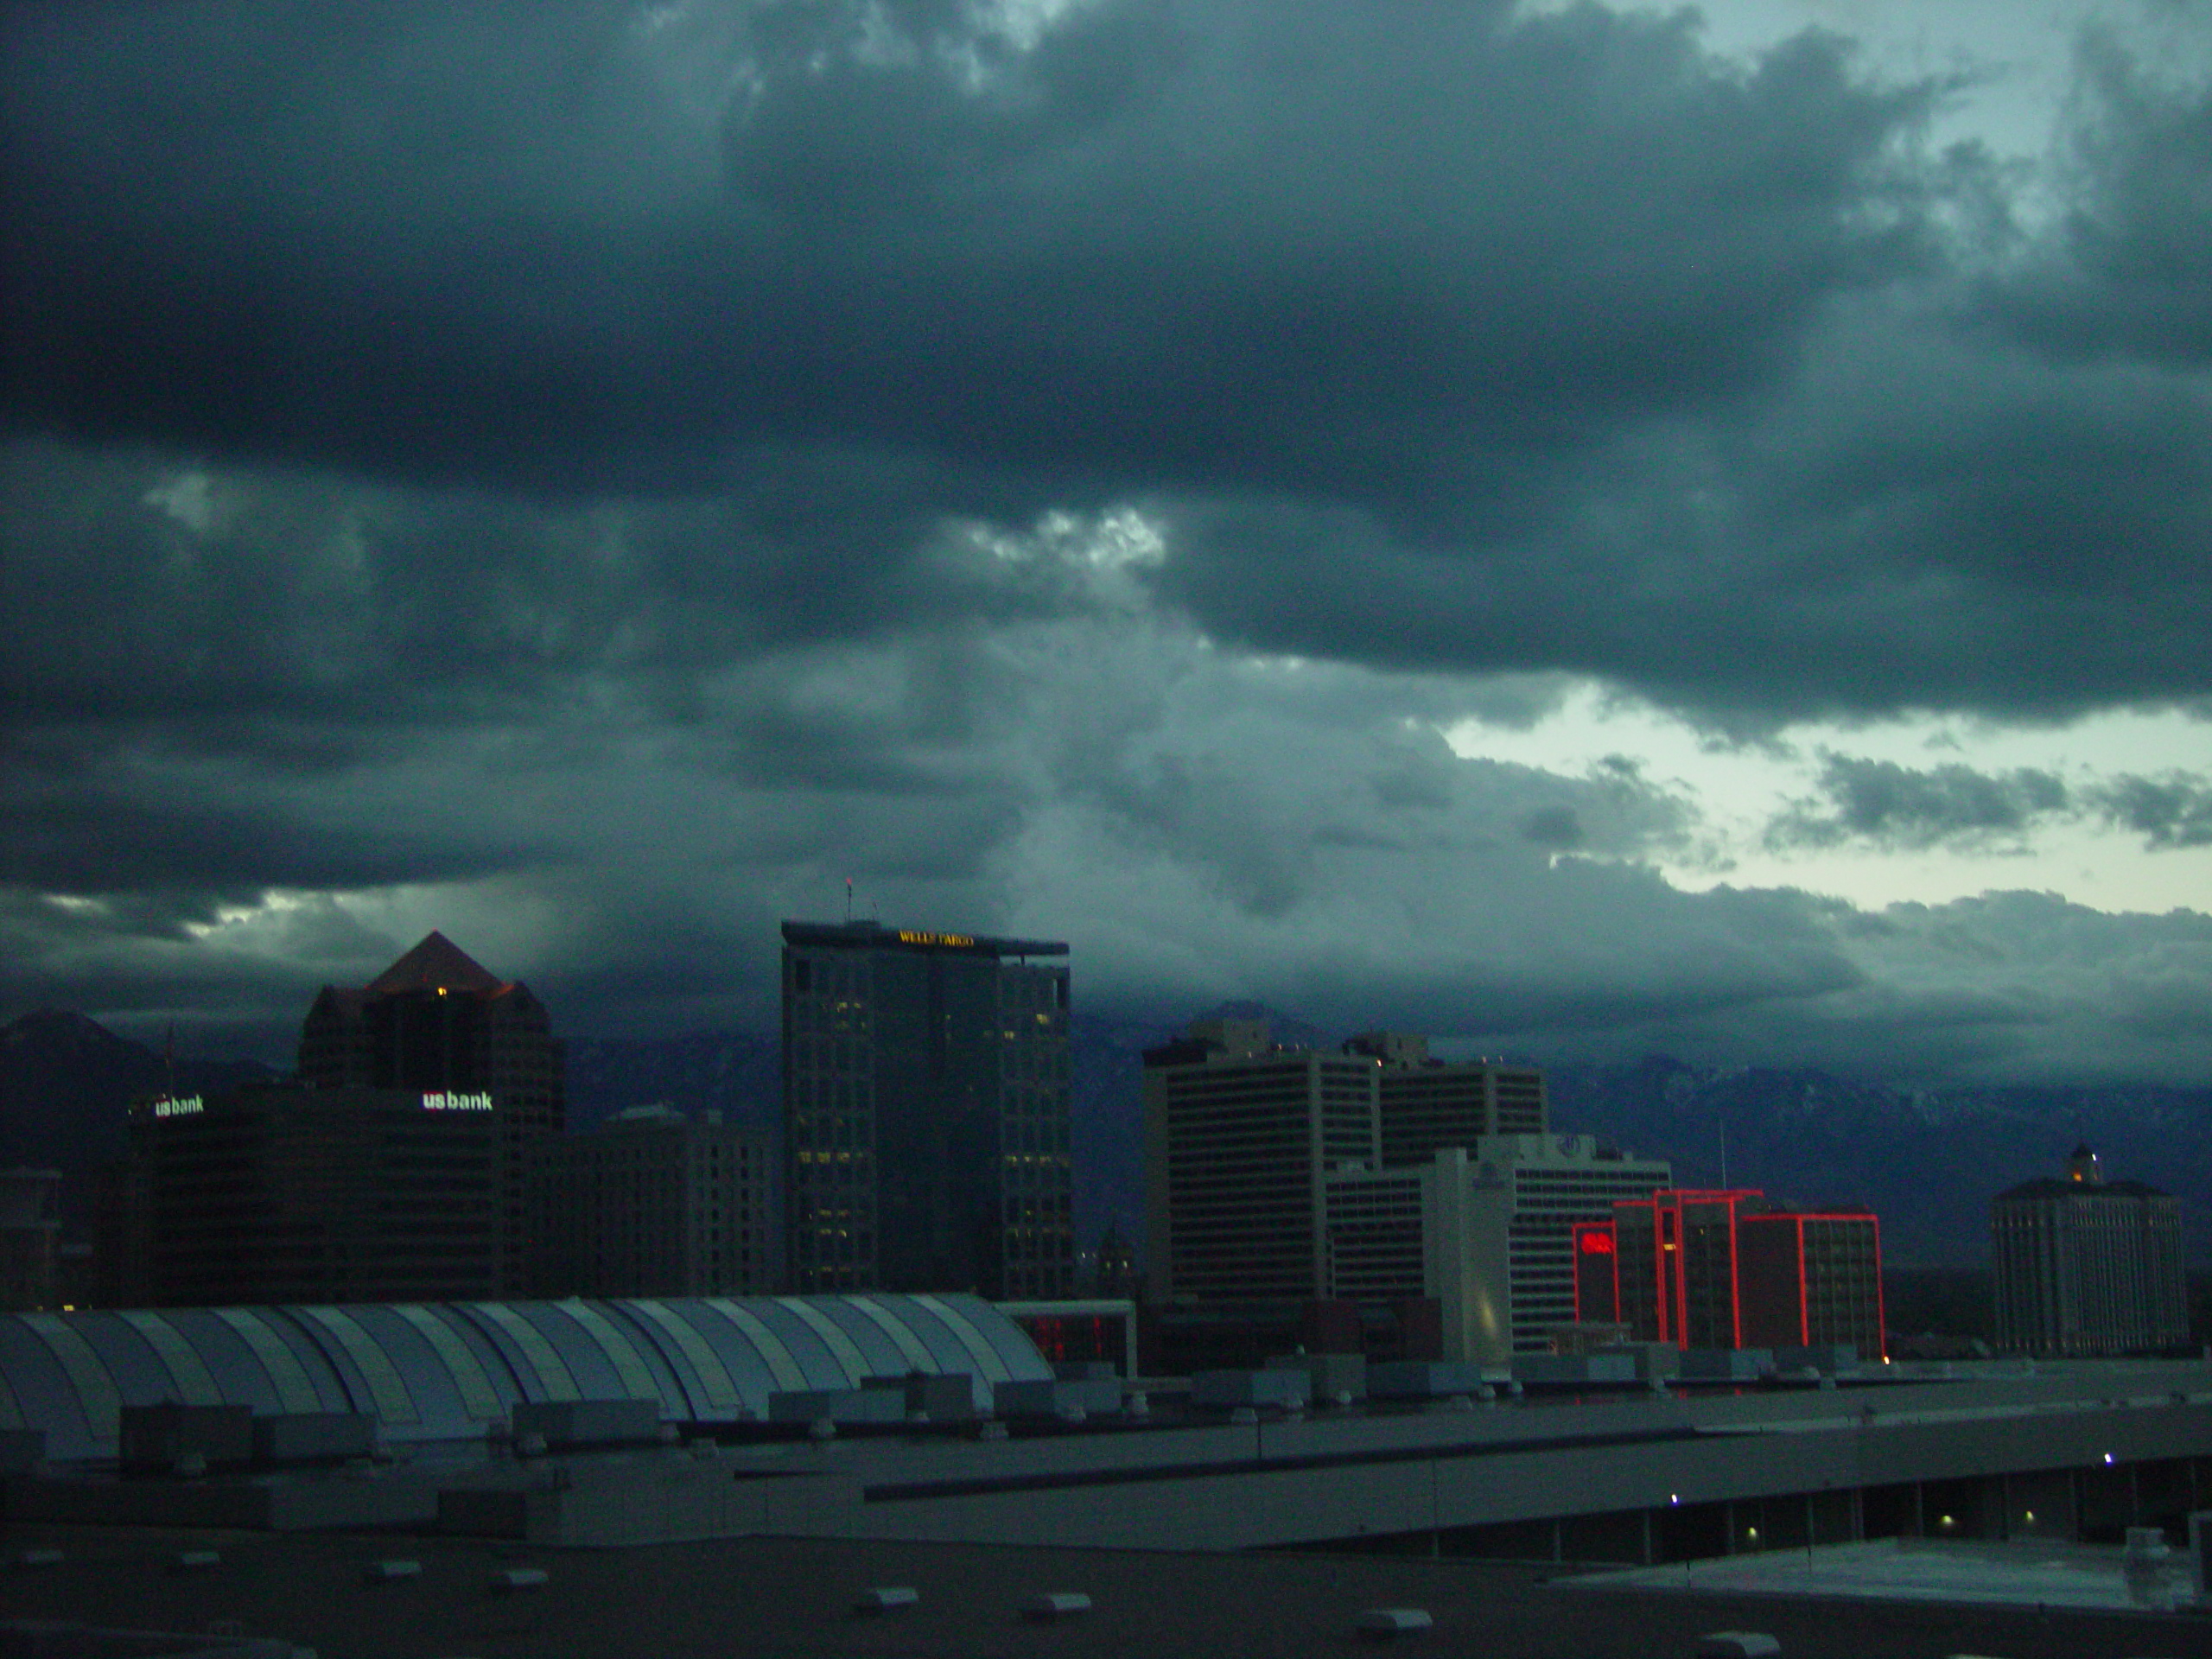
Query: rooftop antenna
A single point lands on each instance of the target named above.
(168, 1063)
(848, 900)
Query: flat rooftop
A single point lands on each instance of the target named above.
(1283, 1480)
(779, 1597)
(2037, 1575)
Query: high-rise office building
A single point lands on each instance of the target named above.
(925, 1112)
(1240, 1137)
(284, 1193)
(2087, 1266)
(653, 1203)
(1731, 1269)
(438, 1020)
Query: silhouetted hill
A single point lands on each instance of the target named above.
(66, 1083)
(738, 1073)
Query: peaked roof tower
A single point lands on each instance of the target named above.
(439, 1022)
(435, 965)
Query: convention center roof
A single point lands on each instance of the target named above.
(449, 1370)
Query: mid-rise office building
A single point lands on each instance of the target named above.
(925, 1112)
(653, 1203)
(2087, 1266)
(437, 1020)
(1530, 1191)
(284, 1193)
(1731, 1269)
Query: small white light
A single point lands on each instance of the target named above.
(2107, 1456)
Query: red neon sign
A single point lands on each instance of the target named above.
(1596, 1242)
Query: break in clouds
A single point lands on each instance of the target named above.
(593, 477)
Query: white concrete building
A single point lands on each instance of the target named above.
(1489, 1232)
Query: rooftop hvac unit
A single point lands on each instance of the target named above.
(1055, 1603)
(1387, 1622)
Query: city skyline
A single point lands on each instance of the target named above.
(1582, 530)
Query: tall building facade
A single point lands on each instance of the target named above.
(2087, 1266)
(1731, 1269)
(283, 1193)
(1240, 1137)
(653, 1203)
(438, 1021)
(926, 1135)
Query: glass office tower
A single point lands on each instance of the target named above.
(925, 1112)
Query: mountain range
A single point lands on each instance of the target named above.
(1928, 1160)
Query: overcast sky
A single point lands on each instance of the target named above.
(1583, 530)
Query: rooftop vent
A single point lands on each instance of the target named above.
(1737, 1644)
(1385, 1624)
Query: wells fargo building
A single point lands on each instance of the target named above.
(925, 1112)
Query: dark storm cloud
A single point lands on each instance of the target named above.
(1435, 338)
(1921, 519)
(594, 477)
(1890, 805)
(1288, 245)
(134, 966)
(2006, 988)
(2131, 272)
(2175, 810)
(98, 841)
(311, 621)
(1893, 806)
(2014, 986)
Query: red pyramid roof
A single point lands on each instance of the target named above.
(437, 963)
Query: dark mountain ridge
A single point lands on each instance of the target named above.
(1928, 1160)
(66, 1083)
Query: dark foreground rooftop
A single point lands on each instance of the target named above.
(771, 1597)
